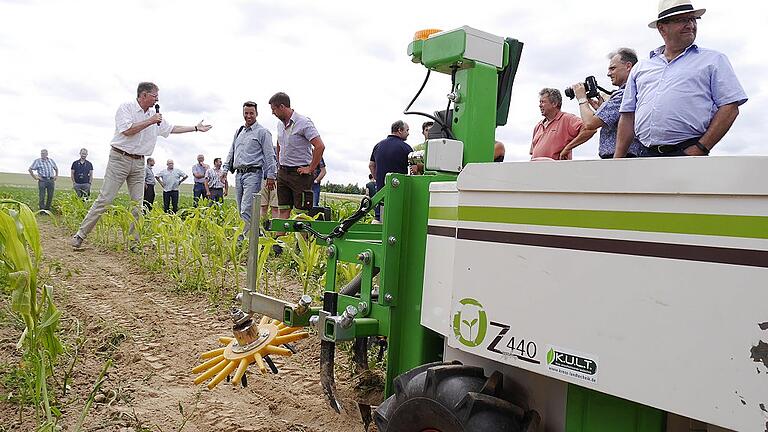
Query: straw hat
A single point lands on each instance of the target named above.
(669, 8)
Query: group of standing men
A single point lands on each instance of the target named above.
(46, 172)
(290, 168)
(209, 182)
(678, 102)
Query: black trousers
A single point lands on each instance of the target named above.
(149, 196)
(217, 195)
(171, 198)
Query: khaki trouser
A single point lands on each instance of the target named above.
(120, 168)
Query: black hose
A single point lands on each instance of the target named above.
(353, 287)
(431, 117)
(419, 92)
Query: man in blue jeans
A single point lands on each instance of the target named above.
(319, 174)
(198, 172)
(253, 158)
(47, 173)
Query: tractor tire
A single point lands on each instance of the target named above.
(451, 397)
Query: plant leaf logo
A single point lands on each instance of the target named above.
(550, 356)
(470, 322)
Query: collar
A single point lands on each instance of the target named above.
(660, 50)
(137, 107)
(557, 117)
(294, 115)
(256, 123)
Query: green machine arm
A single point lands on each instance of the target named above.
(395, 250)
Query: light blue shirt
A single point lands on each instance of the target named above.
(674, 101)
(45, 168)
(199, 169)
(252, 147)
(171, 179)
(294, 140)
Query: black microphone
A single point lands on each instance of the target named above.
(157, 110)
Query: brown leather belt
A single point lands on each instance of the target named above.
(125, 153)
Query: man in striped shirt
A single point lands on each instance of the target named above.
(215, 181)
(47, 173)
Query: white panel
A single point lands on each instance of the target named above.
(671, 334)
(444, 155)
(735, 175)
(438, 278)
(484, 47)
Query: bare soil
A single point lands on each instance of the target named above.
(118, 310)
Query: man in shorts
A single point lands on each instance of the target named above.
(299, 150)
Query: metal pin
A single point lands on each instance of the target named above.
(345, 321)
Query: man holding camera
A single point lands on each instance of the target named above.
(683, 99)
(606, 116)
(557, 129)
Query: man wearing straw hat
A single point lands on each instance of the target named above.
(683, 99)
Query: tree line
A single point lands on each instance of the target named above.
(340, 188)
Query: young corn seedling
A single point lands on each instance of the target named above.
(20, 254)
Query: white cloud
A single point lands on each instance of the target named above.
(68, 65)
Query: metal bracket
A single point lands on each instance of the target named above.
(292, 314)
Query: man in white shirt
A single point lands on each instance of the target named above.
(136, 131)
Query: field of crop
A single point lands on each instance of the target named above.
(105, 338)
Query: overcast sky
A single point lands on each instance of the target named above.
(66, 66)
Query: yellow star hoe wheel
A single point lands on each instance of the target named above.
(251, 342)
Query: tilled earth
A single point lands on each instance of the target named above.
(113, 308)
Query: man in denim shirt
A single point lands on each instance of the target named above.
(252, 157)
(683, 99)
(606, 116)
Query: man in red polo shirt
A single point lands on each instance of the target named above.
(557, 129)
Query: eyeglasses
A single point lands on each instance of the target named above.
(154, 95)
(683, 20)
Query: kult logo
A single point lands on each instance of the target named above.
(570, 361)
(470, 323)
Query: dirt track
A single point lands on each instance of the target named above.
(154, 337)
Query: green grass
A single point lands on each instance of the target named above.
(64, 183)
(22, 187)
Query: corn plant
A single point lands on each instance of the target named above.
(310, 259)
(20, 254)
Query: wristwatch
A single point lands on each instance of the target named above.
(703, 148)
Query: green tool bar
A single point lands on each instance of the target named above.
(675, 223)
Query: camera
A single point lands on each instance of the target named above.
(590, 85)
